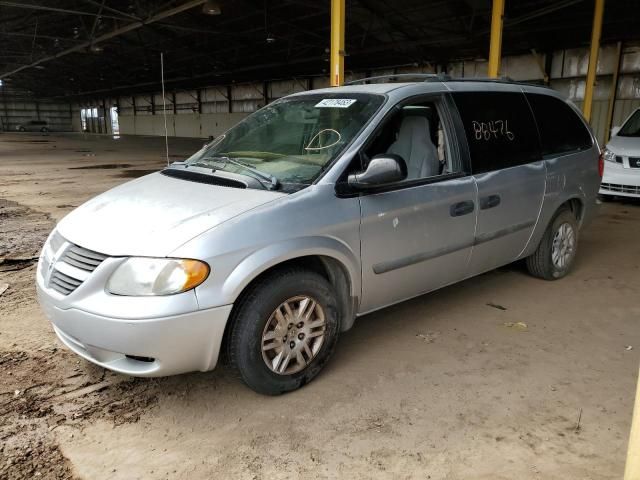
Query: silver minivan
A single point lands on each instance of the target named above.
(34, 126)
(321, 207)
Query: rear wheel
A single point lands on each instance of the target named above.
(22, 129)
(284, 331)
(557, 250)
(44, 129)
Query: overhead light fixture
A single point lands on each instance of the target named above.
(211, 8)
(269, 38)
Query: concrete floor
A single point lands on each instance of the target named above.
(438, 387)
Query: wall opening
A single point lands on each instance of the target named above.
(83, 119)
(91, 121)
(115, 124)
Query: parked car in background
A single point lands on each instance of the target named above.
(34, 126)
(622, 155)
(319, 208)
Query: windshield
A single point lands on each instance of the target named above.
(292, 140)
(631, 127)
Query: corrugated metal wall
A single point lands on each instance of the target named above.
(17, 107)
(211, 110)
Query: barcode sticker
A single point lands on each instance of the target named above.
(335, 103)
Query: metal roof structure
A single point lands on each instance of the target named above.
(86, 47)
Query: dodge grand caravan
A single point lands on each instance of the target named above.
(317, 209)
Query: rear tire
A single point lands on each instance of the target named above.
(22, 129)
(284, 331)
(556, 252)
(44, 129)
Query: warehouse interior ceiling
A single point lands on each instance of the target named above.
(81, 48)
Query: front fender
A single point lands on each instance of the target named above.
(264, 259)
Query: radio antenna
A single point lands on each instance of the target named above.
(164, 108)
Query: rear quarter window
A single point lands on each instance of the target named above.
(561, 129)
(499, 128)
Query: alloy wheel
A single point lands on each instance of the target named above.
(293, 335)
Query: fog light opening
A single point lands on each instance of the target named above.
(141, 359)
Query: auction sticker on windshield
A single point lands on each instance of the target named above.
(335, 103)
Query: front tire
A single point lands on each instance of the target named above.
(556, 253)
(284, 331)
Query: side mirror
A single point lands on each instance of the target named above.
(614, 131)
(383, 169)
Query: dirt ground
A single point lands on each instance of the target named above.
(500, 377)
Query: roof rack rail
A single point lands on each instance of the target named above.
(503, 79)
(436, 77)
(423, 77)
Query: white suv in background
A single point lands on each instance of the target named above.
(622, 155)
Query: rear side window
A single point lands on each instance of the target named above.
(500, 129)
(561, 129)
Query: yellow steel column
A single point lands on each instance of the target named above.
(632, 470)
(593, 59)
(337, 42)
(614, 92)
(495, 44)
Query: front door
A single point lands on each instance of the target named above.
(415, 240)
(416, 236)
(510, 174)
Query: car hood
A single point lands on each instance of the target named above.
(155, 214)
(626, 146)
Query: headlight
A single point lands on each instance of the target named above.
(156, 276)
(608, 155)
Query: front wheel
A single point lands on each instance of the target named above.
(284, 331)
(557, 250)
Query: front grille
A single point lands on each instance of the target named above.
(82, 258)
(73, 267)
(634, 162)
(62, 283)
(616, 187)
(619, 159)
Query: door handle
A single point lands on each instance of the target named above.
(461, 208)
(489, 202)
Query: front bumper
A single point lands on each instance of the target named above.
(620, 180)
(141, 347)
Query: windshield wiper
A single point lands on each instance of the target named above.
(274, 183)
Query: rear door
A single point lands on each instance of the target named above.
(510, 175)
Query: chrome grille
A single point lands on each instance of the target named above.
(616, 187)
(63, 283)
(73, 267)
(82, 258)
